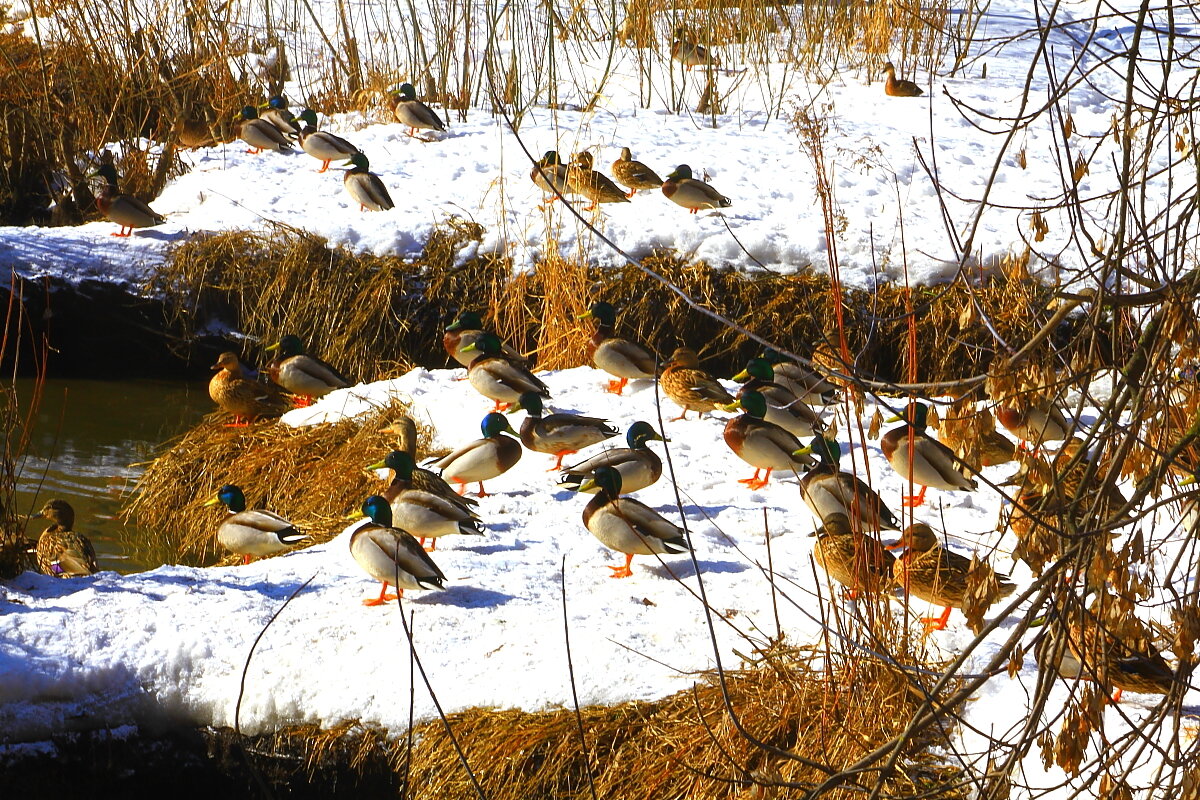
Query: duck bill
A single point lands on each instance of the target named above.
(587, 486)
(742, 376)
(471, 348)
(275, 346)
(377, 465)
(803, 451)
(586, 315)
(212, 501)
(734, 406)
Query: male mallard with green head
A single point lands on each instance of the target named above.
(684, 190)
(498, 378)
(559, 434)
(410, 111)
(627, 525)
(322, 145)
(258, 133)
(482, 459)
(123, 209)
(931, 464)
(390, 555)
(425, 515)
(761, 444)
(638, 464)
(303, 375)
(256, 532)
(365, 186)
(783, 407)
(622, 358)
(464, 331)
(827, 490)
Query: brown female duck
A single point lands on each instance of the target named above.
(61, 551)
(690, 387)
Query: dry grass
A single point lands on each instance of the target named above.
(389, 313)
(682, 746)
(313, 476)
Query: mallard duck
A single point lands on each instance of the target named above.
(973, 437)
(595, 186)
(236, 394)
(258, 133)
(690, 387)
(498, 378)
(405, 431)
(61, 551)
(559, 434)
(807, 384)
(638, 464)
(550, 175)
(277, 113)
(1037, 424)
(466, 330)
(322, 145)
(897, 87)
(301, 374)
(1114, 648)
(935, 574)
(391, 556)
(688, 52)
(855, 560)
(424, 514)
(634, 174)
(762, 444)
(410, 111)
(683, 190)
(827, 490)
(365, 186)
(620, 357)
(783, 407)
(626, 525)
(482, 459)
(933, 463)
(123, 209)
(252, 533)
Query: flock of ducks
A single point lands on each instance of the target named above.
(275, 128)
(780, 428)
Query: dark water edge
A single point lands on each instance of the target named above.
(186, 763)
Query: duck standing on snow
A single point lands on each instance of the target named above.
(762, 444)
(236, 394)
(466, 330)
(827, 490)
(550, 175)
(684, 190)
(783, 407)
(252, 533)
(406, 434)
(638, 464)
(595, 186)
(61, 551)
(627, 525)
(1036, 424)
(410, 111)
(424, 514)
(390, 555)
(634, 174)
(322, 145)
(559, 434)
(898, 87)
(277, 113)
(365, 186)
(258, 133)
(622, 358)
(932, 464)
(482, 459)
(854, 559)
(688, 52)
(935, 574)
(690, 387)
(123, 209)
(496, 377)
(303, 375)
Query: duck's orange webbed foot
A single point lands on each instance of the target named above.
(915, 500)
(617, 387)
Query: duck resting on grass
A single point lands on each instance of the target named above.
(236, 394)
(257, 532)
(626, 525)
(305, 376)
(559, 434)
(482, 459)
(622, 358)
(390, 555)
(61, 551)
(638, 464)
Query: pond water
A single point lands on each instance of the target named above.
(88, 438)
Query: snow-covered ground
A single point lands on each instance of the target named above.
(172, 642)
(907, 174)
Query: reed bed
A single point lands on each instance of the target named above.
(313, 476)
(681, 746)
